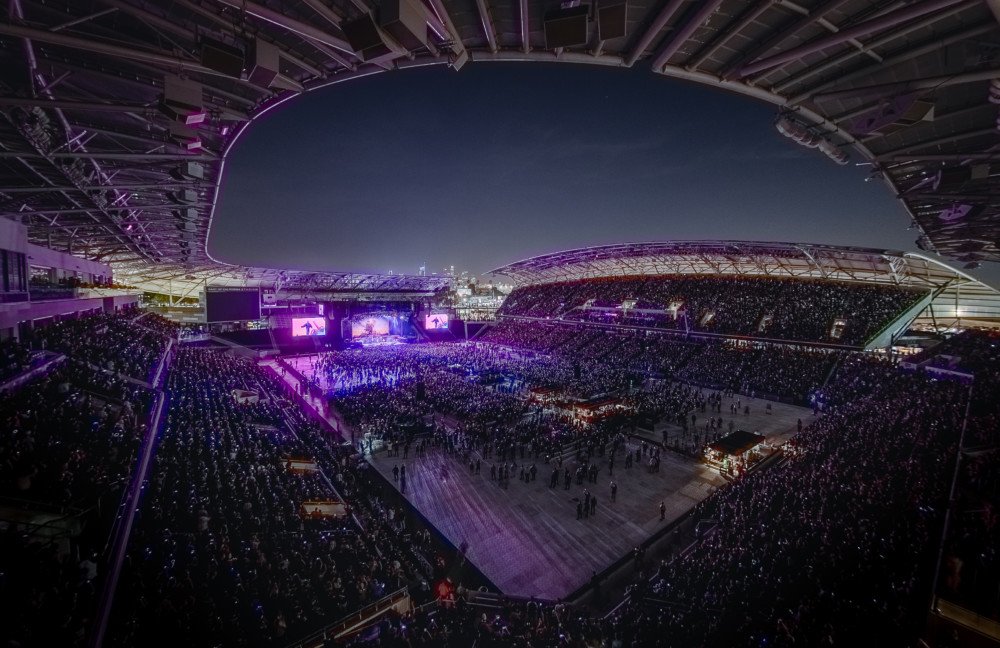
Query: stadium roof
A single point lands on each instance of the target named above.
(959, 299)
(116, 116)
(289, 284)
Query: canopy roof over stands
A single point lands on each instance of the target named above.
(171, 279)
(116, 116)
(959, 299)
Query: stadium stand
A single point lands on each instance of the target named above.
(117, 342)
(70, 441)
(785, 309)
(225, 510)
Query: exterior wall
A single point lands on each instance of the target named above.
(64, 265)
(13, 236)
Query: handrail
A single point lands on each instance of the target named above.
(345, 623)
(124, 531)
(26, 376)
(952, 502)
(163, 363)
(40, 505)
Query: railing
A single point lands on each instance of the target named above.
(48, 360)
(123, 525)
(163, 363)
(44, 293)
(354, 622)
(13, 297)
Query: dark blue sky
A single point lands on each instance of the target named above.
(499, 162)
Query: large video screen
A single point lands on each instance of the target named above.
(231, 304)
(371, 325)
(308, 326)
(436, 321)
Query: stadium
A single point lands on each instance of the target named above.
(687, 443)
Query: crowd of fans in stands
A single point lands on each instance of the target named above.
(971, 568)
(224, 552)
(14, 358)
(780, 372)
(834, 545)
(69, 443)
(119, 342)
(787, 309)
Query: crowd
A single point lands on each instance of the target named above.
(787, 309)
(833, 546)
(69, 443)
(223, 553)
(69, 435)
(14, 358)
(970, 570)
(779, 372)
(114, 341)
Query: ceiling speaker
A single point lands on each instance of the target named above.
(567, 27)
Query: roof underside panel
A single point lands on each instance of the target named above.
(92, 159)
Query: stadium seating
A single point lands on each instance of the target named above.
(69, 444)
(113, 341)
(223, 553)
(785, 309)
(790, 552)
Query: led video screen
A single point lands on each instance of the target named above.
(369, 326)
(232, 304)
(436, 321)
(308, 326)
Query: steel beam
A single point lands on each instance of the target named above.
(87, 18)
(925, 83)
(440, 12)
(982, 198)
(525, 32)
(871, 45)
(123, 187)
(487, 23)
(85, 210)
(732, 71)
(86, 106)
(748, 17)
(866, 28)
(947, 139)
(677, 39)
(936, 44)
(941, 157)
(107, 49)
(291, 24)
(659, 22)
(136, 157)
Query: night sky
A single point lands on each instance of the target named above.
(499, 162)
